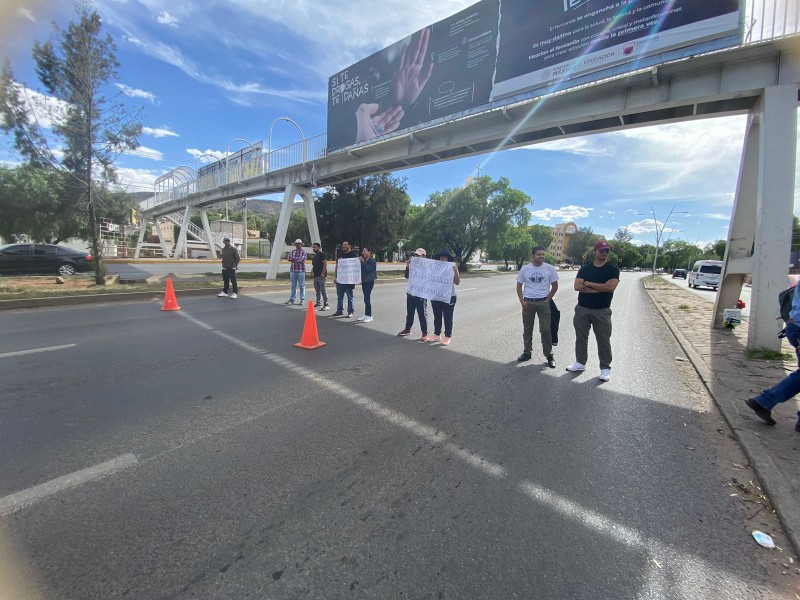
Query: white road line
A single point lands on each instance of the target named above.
(14, 502)
(35, 350)
(677, 564)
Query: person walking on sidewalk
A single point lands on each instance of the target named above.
(444, 310)
(344, 288)
(537, 283)
(297, 272)
(230, 262)
(595, 284)
(415, 304)
(789, 386)
(369, 273)
(319, 270)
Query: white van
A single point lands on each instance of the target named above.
(706, 273)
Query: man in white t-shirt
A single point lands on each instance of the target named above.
(537, 283)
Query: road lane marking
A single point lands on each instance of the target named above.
(18, 500)
(35, 350)
(679, 568)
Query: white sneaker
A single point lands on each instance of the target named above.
(361, 318)
(605, 374)
(222, 295)
(367, 319)
(575, 367)
(234, 296)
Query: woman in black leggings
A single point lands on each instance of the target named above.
(444, 310)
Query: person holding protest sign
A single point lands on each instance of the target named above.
(537, 283)
(369, 273)
(445, 309)
(343, 287)
(415, 304)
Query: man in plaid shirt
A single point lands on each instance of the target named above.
(297, 271)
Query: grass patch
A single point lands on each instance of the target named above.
(684, 306)
(764, 354)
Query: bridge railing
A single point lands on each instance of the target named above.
(770, 19)
(306, 151)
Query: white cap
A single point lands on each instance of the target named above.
(420, 252)
(298, 241)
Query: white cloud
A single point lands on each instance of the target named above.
(717, 216)
(565, 213)
(167, 19)
(135, 93)
(145, 152)
(25, 14)
(173, 56)
(159, 132)
(136, 180)
(585, 146)
(44, 110)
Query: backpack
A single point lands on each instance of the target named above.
(785, 299)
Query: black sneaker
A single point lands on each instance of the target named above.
(551, 362)
(290, 301)
(524, 356)
(797, 427)
(338, 313)
(764, 414)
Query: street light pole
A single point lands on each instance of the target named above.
(660, 234)
(302, 136)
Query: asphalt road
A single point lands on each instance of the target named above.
(235, 465)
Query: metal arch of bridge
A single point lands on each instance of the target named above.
(760, 80)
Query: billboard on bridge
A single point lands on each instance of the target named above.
(493, 50)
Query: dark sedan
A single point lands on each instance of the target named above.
(679, 273)
(43, 258)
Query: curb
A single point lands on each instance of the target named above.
(770, 477)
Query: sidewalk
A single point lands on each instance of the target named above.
(731, 377)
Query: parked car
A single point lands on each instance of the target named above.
(43, 258)
(474, 264)
(679, 273)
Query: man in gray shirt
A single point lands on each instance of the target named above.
(230, 262)
(537, 283)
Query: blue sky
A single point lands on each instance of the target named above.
(207, 73)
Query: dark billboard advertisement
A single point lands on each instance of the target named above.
(495, 49)
(440, 70)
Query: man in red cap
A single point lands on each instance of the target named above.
(595, 284)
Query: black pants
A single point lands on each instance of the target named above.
(229, 275)
(443, 310)
(420, 306)
(555, 319)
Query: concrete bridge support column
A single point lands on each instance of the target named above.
(759, 239)
(145, 225)
(207, 228)
(279, 243)
(180, 243)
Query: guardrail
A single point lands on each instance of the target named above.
(766, 20)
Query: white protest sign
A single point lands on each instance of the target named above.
(348, 270)
(431, 279)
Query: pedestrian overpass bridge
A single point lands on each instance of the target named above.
(759, 79)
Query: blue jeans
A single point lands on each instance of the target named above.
(341, 290)
(366, 289)
(298, 277)
(789, 386)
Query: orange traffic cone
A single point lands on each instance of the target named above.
(170, 302)
(310, 339)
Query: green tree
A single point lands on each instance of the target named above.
(623, 234)
(719, 247)
(298, 228)
(464, 220)
(627, 255)
(542, 235)
(511, 245)
(370, 211)
(581, 243)
(76, 67)
(29, 199)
